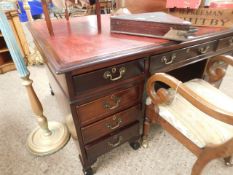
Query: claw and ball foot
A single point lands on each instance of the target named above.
(135, 145)
(88, 171)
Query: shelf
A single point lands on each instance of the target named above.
(6, 62)
(4, 50)
(7, 67)
(5, 57)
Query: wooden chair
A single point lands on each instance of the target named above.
(195, 113)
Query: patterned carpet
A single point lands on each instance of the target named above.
(165, 156)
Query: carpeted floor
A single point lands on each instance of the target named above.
(165, 156)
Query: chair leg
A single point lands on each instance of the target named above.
(210, 153)
(146, 130)
(200, 164)
(151, 117)
(228, 161)
(203, 161)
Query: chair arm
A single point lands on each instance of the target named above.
(196, 100)
(217, 73)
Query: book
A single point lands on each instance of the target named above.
(155, 24)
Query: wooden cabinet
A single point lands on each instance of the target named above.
(6, 62)
(113, 114)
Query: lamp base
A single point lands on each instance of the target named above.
(40, 144)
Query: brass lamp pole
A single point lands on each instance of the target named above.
(49, 137)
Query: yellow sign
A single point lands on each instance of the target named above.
(206, 16)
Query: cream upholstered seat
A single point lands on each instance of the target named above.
(197, 126)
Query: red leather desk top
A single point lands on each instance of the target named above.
(78, 44)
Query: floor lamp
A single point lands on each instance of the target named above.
(49, 137)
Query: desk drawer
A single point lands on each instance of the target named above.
(225, 43)
(103, 77)
(167, 59)
(110, 142)
(110, 124)
(108, 105)
(160, 61)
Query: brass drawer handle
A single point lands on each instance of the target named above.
(165, 60)
(204, 50)
(119, 120)
(116, 100)
(231, 41)
(117, 143)
(108, 75)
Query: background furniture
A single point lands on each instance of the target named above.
(141, 6)
(109, 113)
(6, 62)
(67, 3)
(195, 113)
(35, 10)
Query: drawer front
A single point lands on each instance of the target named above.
(107, 76)
(201, 49)
(225, 43)
(108, 105)
(110, 124)
(167, 59)
(113, 141)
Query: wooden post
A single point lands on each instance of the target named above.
(36, 105)
(98, 14)
(67, 3)
(47, 17)
(43, 140)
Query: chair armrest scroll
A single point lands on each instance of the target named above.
(196, 100)
(217, 73)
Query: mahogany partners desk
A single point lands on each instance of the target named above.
(99, 79)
